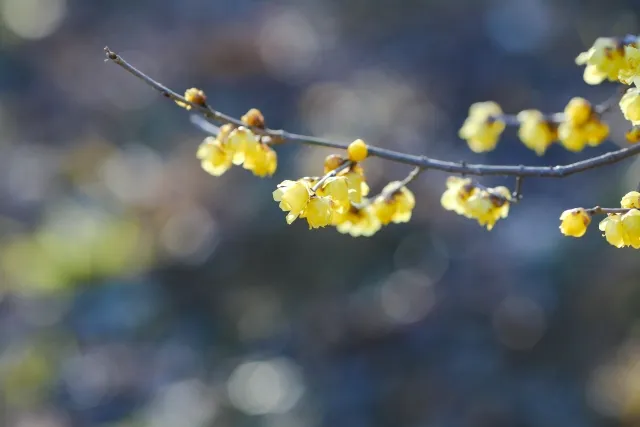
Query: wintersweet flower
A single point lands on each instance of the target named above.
(337, 189)
(578, 111)
(488, 206)
(574, 222)
(395, 204)
(633, 135)
(581, 126)
(536, 132)
(262, 161)
(614, 230)
(630, 73)
(622, 230)
(630, 105)
(293, 196)
(603, 60)
(596, 131)
(318, 212)
(572, 138)
(242, 143)
(358, 222)
(631, 224)
(483, 127)
(456, 195)
(358, 188)
(214, 159)
(630, 200)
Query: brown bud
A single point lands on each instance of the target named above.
(332, 162)
(254, 118)
(195, 96)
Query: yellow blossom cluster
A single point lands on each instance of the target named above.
(577, 127)
(536, 131)
(338, 199)
(581, 126)
(486, 205)
(238, 146)
(483, 127)
(612, 59)
(620, 228)
(617, 60)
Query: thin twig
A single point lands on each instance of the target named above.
(331, 174)
(602, 211)
(389, 193)
(517, 192)
(423, 162)
(601, 108)
(412, 175)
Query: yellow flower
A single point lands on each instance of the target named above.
(394, 204)
(293, 197)
(578, 111)
(483, 127)
(337, 189)
(631, 70)
(318, 212)
(213, 157)
(357, 150)
(242, 143)
(383, 210)
(263, 161)
(633, 135)
(501, 198)
(630, 200)
(614, 230)
(535, 131)
(574, 222)
(359, 222)
(630, 105)
(596, 131)
(480, 207)
(631, 224)
(581, 126)
(358, 188)
(457, 192)
(603, 60)
(572, 138)
(486, 206)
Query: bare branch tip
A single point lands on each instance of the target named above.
(110, 54)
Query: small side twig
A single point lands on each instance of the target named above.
(517, 191)
(605, 211)
(346, 165)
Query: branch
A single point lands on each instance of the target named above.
(603, 211)
(420, 161)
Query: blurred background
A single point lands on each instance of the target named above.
(136, 290)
